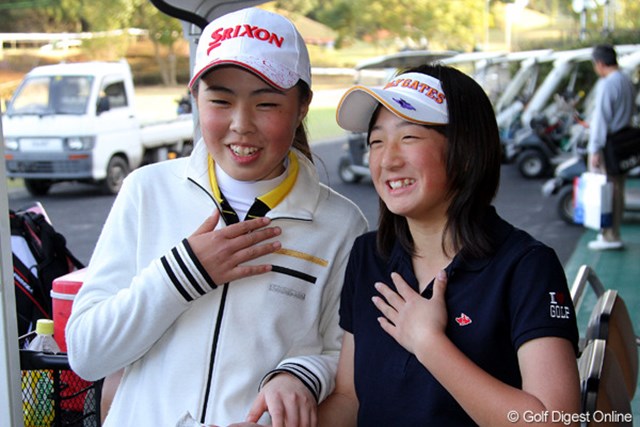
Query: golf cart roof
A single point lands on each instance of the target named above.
(523, 55)
(584, 54)
(472, 57)
(563, 66)
(404, 59)
(630, 61)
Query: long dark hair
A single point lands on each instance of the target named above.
(300, 139)
(473, 162)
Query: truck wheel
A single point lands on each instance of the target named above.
(532, 164)
(37, 187)
(117, 171)
(565, 204)
(347, 175)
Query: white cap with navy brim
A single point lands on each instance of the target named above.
(415, 97)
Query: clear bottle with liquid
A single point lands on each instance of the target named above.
(43, 340)
(37, 385)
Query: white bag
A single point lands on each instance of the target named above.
(593, 201)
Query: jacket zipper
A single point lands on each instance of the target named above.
(214, 348)
(216, 333)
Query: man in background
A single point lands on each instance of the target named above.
(614, 109)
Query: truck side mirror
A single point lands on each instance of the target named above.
(103, 105)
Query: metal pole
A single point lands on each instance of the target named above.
(508, 22)
(487, 14)
(192, 33)
(10, 392)
(611, 5)
(606, 30)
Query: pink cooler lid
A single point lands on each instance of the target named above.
(70, 283)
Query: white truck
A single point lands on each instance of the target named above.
(77, 122)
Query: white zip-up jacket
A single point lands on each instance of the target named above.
(187, 344)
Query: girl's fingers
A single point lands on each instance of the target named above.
(392, 298)
(241, 228)
(383, 307)
(255, 250)
(440, 285)
(209, 224)
(256, 237)
(247, 271)
(402, 286)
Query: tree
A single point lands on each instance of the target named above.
(164, 32)
(302, 7)
(38, 16)
(339, 15)
(455, 24)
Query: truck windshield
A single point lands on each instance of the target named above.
(48, 95)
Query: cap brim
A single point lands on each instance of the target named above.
(278, 77)
(358, 104)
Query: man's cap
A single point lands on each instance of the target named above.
(260, 41)
(604, 53)
(415, 97)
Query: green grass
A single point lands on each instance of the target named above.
(321, 124)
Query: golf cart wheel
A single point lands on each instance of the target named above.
(347, 174)
(565, 204)
(532, 164)
(117, 171)
(37, 187)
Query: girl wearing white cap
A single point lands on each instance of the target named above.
(215, 282)
(453, 317)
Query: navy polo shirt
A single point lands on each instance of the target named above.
(494, 305)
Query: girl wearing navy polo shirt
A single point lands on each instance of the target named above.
(452, 315)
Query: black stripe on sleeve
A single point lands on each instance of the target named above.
(304, 379)
(186, 272)
(306, 376)
(198, 265)
(175, 280)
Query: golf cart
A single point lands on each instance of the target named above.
(533, 67)
(487, 68)
(540, 131)
(561, 185)
(547, 129)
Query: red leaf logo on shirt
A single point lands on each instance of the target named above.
(463, 319)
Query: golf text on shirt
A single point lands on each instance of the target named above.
(556, 309)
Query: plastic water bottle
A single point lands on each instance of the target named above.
(44, 341)
(37, 385)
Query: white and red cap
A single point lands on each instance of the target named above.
(260, 41)
(415, 97)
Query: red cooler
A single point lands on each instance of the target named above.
(63, 292)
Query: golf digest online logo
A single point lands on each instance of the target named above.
(568, 418)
